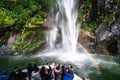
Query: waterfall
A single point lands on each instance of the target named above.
(66, 18)
(62, 37)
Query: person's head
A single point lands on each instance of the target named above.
(20, 70)
(15, 69)
(47, 64)
(70, 68)
(47, 67)
(53, 64)
(46, 71)
(35, 70)
(58, 67)
(86, 79)
(4, 72)
(31, 64)
(83, 79)
(42, 68)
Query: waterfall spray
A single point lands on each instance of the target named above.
(66, 18)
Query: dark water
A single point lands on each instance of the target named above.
(108, 70)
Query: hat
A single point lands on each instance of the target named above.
(53, 64)
(46, 66)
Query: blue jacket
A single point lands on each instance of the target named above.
(4, 77)
(68, 75)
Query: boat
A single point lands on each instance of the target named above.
(76, 77)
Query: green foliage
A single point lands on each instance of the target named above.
(101, 17)
(6, 35)
(48, 4)
(25, 16)
(80, 14)
(8, 21)
(5, 20)
(83, 11)
(111, 16)
(28, 42)
(2, 14)
(43, 14)
(84, 17)
(90, 27)
(33, 7)
(37, 20)
(18, 9)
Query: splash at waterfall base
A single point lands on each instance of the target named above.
(66, 26)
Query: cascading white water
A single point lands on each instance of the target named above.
(51, 38)
(67, 29)
(66, 23)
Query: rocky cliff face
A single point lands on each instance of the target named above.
(89, 41)
(6, 49)
(108, 34)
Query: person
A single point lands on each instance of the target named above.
(21, 75)
(86, 79)
(68, 74)
(58, 73)
(4, 75)
(13, 75)
(53, 68)
(42, 73)
(17, 74)
(63, 67)
(35, 74)
(30, 67)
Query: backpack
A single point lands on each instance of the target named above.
(4, 77)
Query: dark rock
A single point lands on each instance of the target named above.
(112, 47)
(87, 40)
(101, 31)
(108, 36)
(48, 24)
(4, 50)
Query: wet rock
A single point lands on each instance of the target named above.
(11, 41)
(4, 50)
(115, 29)
(48, 24)
(108, 36)
(118, 45)
(87, 40)
(112, 47)
(101, 31)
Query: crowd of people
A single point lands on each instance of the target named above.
(45, 72)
